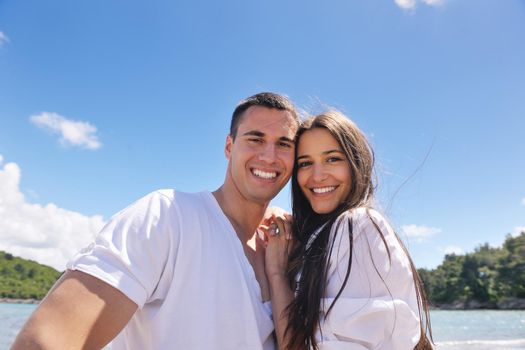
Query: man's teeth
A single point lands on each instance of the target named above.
(323, 189)
(264, 174)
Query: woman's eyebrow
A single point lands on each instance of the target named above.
(333, 151)
(324, 153)
(301, 157)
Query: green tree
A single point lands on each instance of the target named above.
(487, 275)
(20, 278)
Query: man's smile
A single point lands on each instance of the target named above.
(264, 174)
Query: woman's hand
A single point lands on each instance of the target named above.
(277, 229)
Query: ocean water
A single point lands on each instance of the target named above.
(479, 329)
(12, 318)
(453, 330)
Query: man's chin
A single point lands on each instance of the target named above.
(263, 198)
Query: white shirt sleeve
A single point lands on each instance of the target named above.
(131, 251)
(378, 308)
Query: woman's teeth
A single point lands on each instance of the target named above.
(323, 189)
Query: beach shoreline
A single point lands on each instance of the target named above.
(505, 304)
(19, 301)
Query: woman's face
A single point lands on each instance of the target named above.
(323, 172)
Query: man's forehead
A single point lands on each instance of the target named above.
(262, 118)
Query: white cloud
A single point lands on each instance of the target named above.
(45, 233)
(411, 4)
(420, 233)
(3, 39)
(518, 230)
(453, 249)
(523, 201)
(433, 2)
(1, 159)
(406, 4)
(72, 132)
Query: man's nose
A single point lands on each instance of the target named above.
(268, 154)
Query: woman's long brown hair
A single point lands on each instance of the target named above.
(310, 257)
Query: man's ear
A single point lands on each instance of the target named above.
(228, 147)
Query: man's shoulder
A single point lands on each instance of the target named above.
(155, 199)
(162, 200)
(171, 195)
(178, 201)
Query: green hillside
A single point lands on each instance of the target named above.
(24, 279)
(486, 278)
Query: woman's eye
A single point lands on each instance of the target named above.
(334, 159)
(303, 164)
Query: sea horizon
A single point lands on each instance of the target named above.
(452, 329)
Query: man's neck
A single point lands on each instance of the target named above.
(243, 214)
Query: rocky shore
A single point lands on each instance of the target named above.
(505, 304)
(19, 301)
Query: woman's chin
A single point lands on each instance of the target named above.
(323, 209)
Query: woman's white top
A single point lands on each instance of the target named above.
(378, 308)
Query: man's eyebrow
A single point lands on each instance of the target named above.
(262, 134)
(254, 133)
(286, 139)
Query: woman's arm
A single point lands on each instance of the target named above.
(282, 296)
(276, 262)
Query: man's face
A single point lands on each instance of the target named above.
(262, 156)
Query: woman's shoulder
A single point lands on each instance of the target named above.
(365, 217)
(373, 233)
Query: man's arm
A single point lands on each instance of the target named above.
(80, 312)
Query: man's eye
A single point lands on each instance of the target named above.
(255, 140)
(285, 145)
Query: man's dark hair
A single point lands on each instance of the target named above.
(263, 99)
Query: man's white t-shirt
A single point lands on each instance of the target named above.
(177, 256)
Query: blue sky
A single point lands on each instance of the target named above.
(102, 102)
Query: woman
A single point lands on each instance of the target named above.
(348, 282)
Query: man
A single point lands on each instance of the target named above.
(176, 270)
